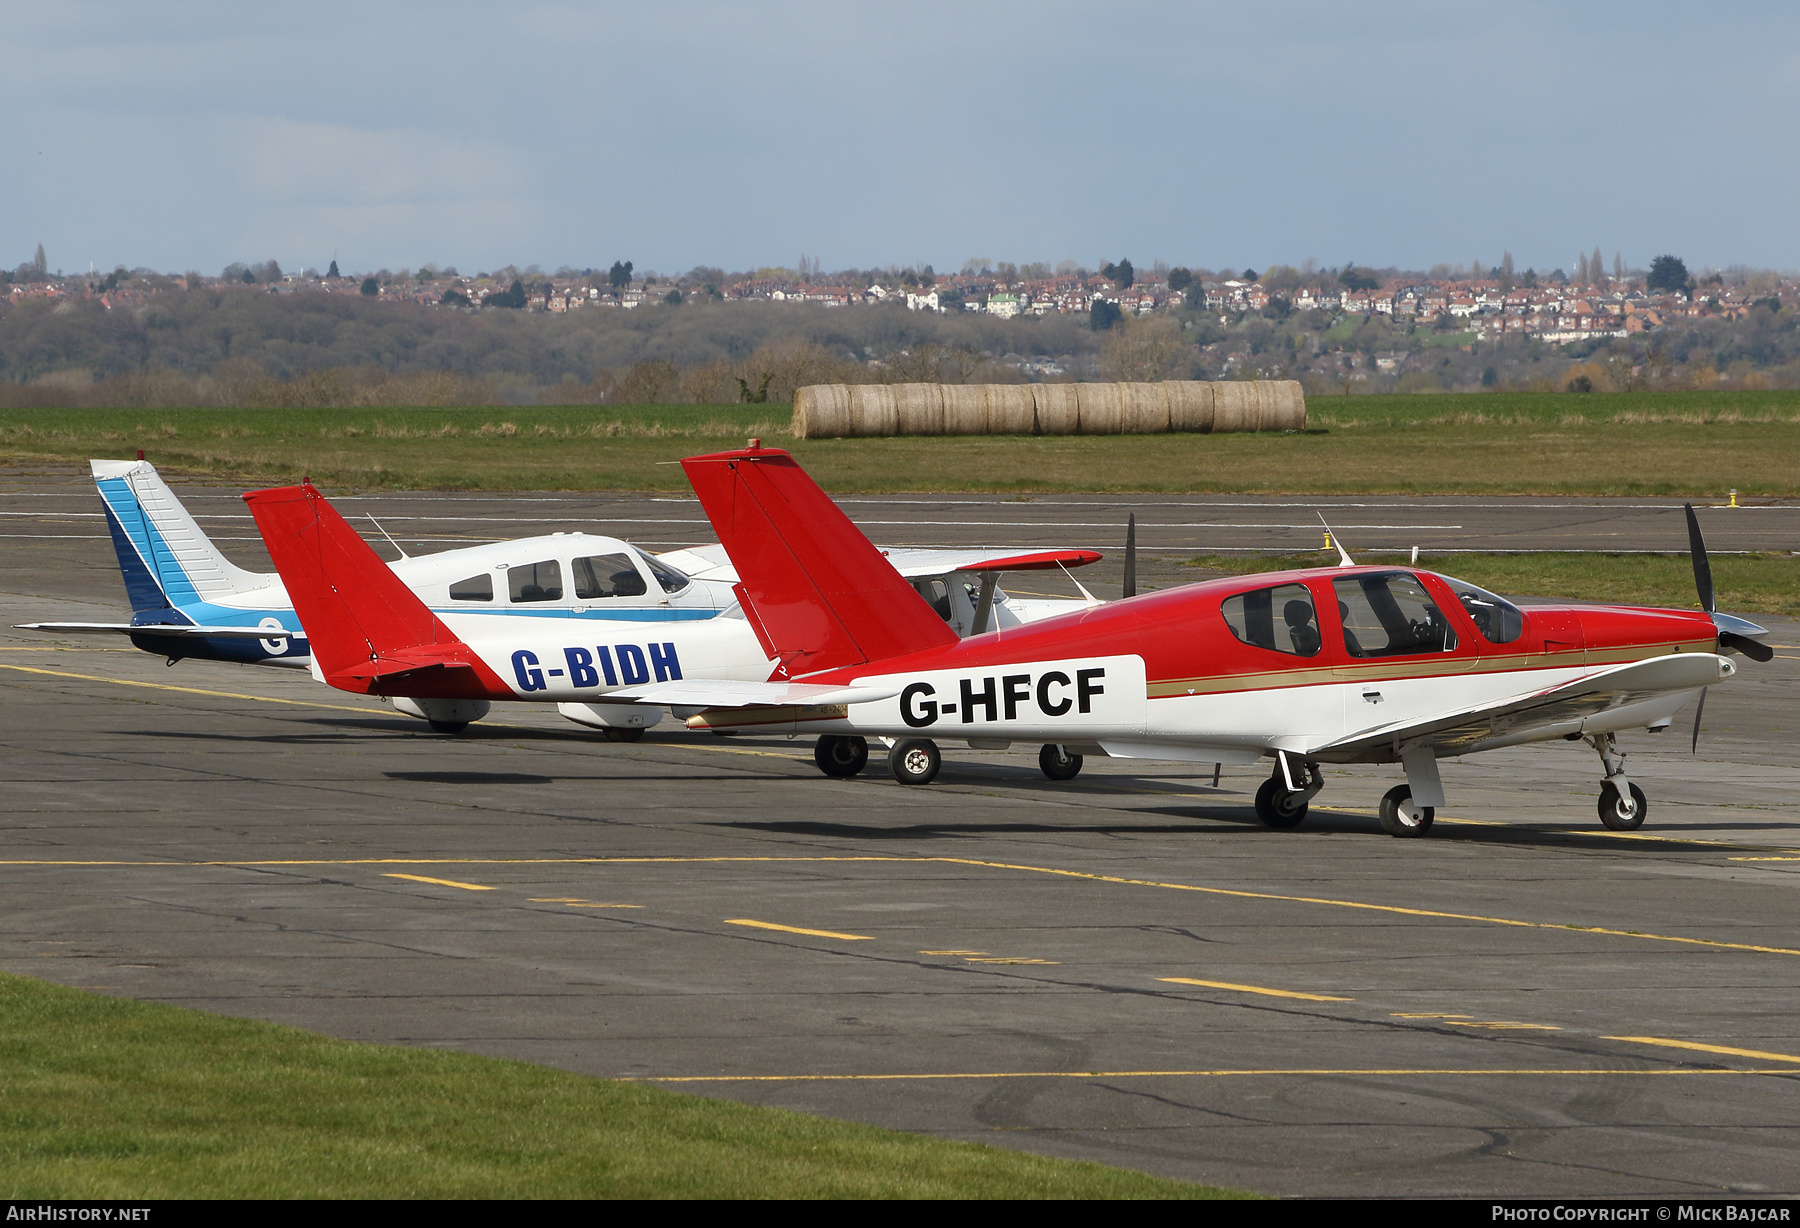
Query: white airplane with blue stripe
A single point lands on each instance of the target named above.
(189, 601)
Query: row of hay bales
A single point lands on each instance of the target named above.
(827, 411)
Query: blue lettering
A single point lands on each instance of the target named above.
(632, 666)
(581, 667)
(663, 658)
(606, 668)
(530, 678)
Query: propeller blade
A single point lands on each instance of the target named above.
(1702, 569)
(1698, 710)
(1131, 556)
(1756, 650)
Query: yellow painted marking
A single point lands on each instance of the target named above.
(1763, 859)
(1088, 876)
(1303, 1072)
(439, 882)
(793, 929)
(1412, 1015)
(1006, 959)
(1501, 1025)
(187, 690)
(574, 902)
(1758, 1054)
(952, 952)
(1259, 989)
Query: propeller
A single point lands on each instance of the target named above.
(1734, 633)
(1131, 556)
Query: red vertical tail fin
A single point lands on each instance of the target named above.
(368, 631)
(819, 594)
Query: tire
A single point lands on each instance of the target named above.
(915, 762)
(840, 756)
(1276, 807)
(1399, 817)
(614, 734)
(448, 726)
(1618, 817)
(1059, 764)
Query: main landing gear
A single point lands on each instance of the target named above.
(1281, 801)
(1058, 762)
(840, 756)
(1401, 816)
(915, 761)
(1622, 804)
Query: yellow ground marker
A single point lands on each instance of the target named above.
(1300, 1072)
(1757, 1054)
(189, 690)
(579, 903)
(1083, 875)
(1005, 959)
(439, 882)
(794, 929)
(1235, 988)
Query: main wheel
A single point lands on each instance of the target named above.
(1617, 813)
(448, 726)
(915, 762)
(1277, 807)
(1059, 764)
(840, 756)
(616, 734)
(1400, 816)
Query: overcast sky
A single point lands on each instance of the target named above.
(190, 135)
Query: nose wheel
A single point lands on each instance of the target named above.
(1622, 812)
(1278, 803)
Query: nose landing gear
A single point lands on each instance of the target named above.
(1281, 801)
(1623, 806)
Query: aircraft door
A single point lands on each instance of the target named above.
(1399, 654)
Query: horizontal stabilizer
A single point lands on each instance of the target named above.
(1514, 719)
(920, 563)
(176, 630)
(698, 692)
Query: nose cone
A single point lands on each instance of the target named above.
(1733, 625)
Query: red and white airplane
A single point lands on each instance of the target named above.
(1323, 665)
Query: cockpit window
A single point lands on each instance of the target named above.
(1498, 620)
(607, 575)
(672, 581)
(1281, 618)
(1391, 615)
(475, 588)
(535, 581)
(937, 593)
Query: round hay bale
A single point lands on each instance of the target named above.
(918, 409)
(1234, 406)
(1010, 409)
(1190, 405)
(872, 411)
(1057, 410)
(1281, 405)
(1101, 408)
(965, 409)
(1143, 409)
(822, 411)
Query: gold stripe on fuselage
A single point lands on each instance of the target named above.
(1417, 667)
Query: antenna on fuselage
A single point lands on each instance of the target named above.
(1331, 539)
(390, 541)
(1086, 596)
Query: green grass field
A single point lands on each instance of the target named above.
(109, 1098)
(1697, 444)
(1744, 583)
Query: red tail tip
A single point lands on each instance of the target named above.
(140, 454)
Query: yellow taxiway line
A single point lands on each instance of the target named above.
(1754, 1054)
(439, 882)
(1273, 993)
(794, 929)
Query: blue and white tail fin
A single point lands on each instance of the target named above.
(166, 557)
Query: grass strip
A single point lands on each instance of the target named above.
(105, 1097)
(1745, 583)
(1696, 444)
